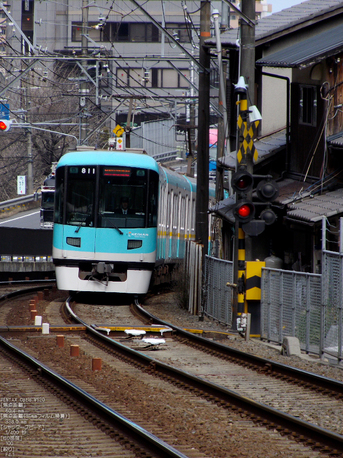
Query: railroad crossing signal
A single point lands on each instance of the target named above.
(247, 123)
(244, 211)
(267, 190)
(248, 133)
(245, 208)
(242, 181)
(5, 125)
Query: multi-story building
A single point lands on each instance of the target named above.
(262, 9)
(147, 55)
(143, 56)
(2, 32)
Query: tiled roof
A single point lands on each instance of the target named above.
(315, 208)
(278, 24)
(335, 140)
(266, 146)
(308, 51)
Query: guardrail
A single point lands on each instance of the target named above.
(18, 201)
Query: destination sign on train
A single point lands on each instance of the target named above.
(114, 172)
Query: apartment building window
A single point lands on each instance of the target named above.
(135, 32)
(154, 78)
(308, 105)
(119, 32)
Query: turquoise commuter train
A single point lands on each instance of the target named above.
(118, 215)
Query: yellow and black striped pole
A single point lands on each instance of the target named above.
(243, 147)
(241, 272)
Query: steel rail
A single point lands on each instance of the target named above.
(264, 365)
(23, 292)
(136, 433)
(298, 429)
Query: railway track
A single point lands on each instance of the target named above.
(126, 438)
(253, 393)
(228, 407)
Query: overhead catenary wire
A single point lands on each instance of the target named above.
(58, 79)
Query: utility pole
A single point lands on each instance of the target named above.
(242, 179)
(83, 84)
(202, 197)
(248, 72)
(248, 49)
(29, 142)
(223, 141)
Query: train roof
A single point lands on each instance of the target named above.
(102, 157)
(176, 179)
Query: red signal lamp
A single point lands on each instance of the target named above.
(242, 181)
(5, 124)
(244, 211)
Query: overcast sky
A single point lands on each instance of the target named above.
(279, 5)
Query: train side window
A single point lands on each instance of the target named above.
(183, 214)
(152, 199)
(168, 214)
(175, 212)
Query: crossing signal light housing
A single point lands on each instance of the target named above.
(5, 125)
(268, 216)
(244, 211)
(242, 181)
(267, 190)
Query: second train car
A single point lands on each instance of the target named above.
(117, 214)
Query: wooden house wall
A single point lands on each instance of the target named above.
(307, 141)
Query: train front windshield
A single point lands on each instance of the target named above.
(106, 196)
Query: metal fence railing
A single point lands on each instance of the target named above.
(332, 299)
(193, 269)
(303, 305)
(291, 306)
(217, 302)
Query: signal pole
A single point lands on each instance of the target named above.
(247, 70)
(202, 197)
(244, 162)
